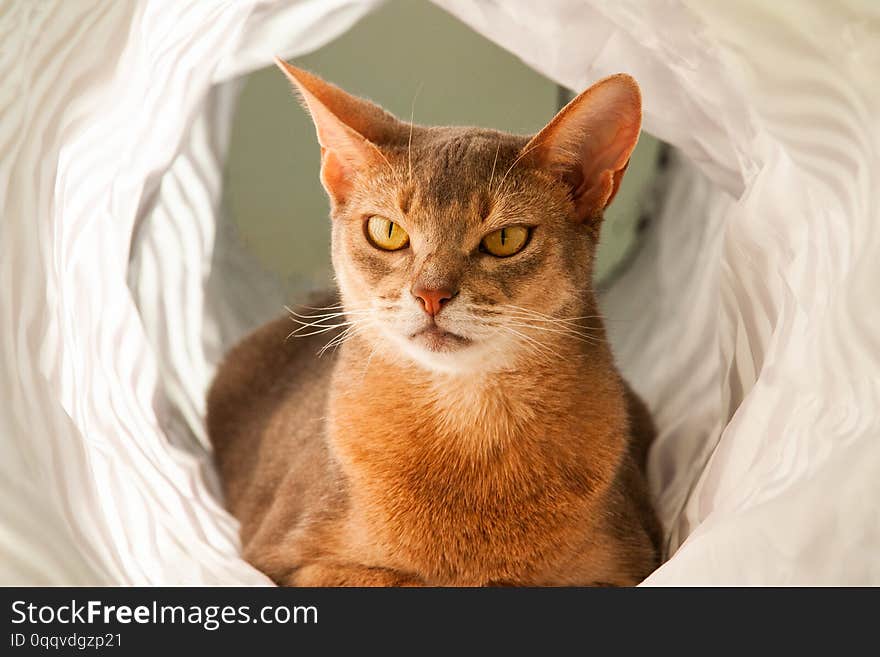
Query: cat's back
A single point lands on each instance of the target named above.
(265, 419)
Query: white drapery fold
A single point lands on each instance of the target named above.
(749, 320)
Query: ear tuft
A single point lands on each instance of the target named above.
(589, 142)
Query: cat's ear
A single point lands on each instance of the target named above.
(350, 129)
(589, 142)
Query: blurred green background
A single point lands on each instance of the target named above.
(408, 55)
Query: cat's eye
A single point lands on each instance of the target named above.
(385, 234)
(506, 242)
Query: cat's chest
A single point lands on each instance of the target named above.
(469, 486)
(463, 519)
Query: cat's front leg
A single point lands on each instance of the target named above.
(341, 574)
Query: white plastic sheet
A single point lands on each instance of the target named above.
(749, 320)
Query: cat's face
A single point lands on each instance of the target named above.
(435, 292)
(463, 249)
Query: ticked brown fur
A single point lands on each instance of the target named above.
(523, 465)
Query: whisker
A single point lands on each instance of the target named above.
(335, 340)
(516, 161)
(536, 312)
(346, 335)
(559, 323)
(294, 316)
(323, 329)
(382, 155)
(320, 322)
(412, 116)
(303, 326)
(494, 163)
(604, 318)
(351, 319)
(334, 307)
(520, 338)
(534, 341)
(548, 320)
(329, 315)
(292, 334)
(317, 320)
(583, 337)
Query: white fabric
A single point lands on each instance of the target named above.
(749, 320)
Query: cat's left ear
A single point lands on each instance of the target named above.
(350, 130)
(589, 142)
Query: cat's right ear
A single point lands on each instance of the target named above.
(349, 130)
(589, 142)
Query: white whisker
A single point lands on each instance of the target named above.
(494, 163)
(562, 331)
(534, 315)
(330, 315)
(515, 162)
(323, 329)
(537, 343)
(412, 116)
(549, 320)
(346, 335)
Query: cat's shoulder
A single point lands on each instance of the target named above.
(264, 367)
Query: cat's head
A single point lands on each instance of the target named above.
(464, 248)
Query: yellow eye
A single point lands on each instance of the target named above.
(506, 242)
(385, 234)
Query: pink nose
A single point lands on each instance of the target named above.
(433, 299)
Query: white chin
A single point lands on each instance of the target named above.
(450, 360)
(441, 353)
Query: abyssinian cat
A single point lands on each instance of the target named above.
(471, 428)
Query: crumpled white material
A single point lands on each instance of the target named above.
(749, 320)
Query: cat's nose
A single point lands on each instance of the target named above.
(433, 299)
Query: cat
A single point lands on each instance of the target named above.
(469, 427)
